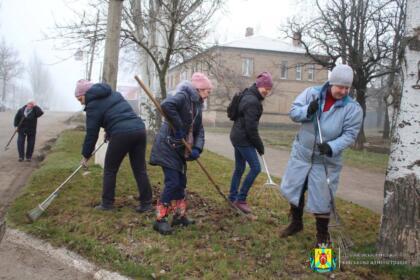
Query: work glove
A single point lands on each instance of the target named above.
(261, 150)
(325, 149)
(313, 107)
(106, 137)
(195, 154)
(84, 162)
(180, 134)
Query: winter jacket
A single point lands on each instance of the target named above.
(244, 132)
(108, 109)
(184, 109)
(29, 123)
(339, 128)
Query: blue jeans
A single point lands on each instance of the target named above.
(243, 155)
(175, 184)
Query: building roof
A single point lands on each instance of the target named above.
(264, 43)
(261, 43)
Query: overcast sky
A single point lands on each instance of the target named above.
(22, 23)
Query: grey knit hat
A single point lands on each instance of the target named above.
(341, 75)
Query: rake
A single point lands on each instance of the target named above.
(269, 184)
(35, 213)
(214, 184)
(14, 133)
(343, 241)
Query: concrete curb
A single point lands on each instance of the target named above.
(61, 255)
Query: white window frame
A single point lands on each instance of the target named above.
(283, 70)
(247, 67)
(298, 72)
(311, 72)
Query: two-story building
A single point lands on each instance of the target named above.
(234, 66)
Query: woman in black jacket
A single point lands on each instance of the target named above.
(246, 139)
(125, 132)
(184, 112)
(26, 120)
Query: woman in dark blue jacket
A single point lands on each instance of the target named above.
(184, 112)
(125, 132)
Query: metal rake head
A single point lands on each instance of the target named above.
(270, 183)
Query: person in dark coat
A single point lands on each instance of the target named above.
(125, 133)
(25, 122)
(246, 139)
(183, 110)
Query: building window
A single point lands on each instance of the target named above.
(283, 70)
(298, 71)
(311, 72)
(247, 67)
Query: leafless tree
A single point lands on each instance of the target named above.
(163, 32)
(356, 32)
(40, 81)
(10, 66)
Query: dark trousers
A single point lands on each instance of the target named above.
(175, 184)
(244, 155)
(30, 138)
(133, 143)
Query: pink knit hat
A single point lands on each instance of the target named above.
(200, 81)
(264, 80)
(82, 87)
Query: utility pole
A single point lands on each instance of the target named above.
(110, 67)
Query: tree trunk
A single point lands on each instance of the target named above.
(3, 96)
(386, 130)
(110, 70)
(399, 234)
(361, 98)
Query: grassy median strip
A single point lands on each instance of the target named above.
(220, 245)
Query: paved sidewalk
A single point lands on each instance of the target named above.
(362, 187)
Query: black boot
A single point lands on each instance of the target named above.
(161, 224)
(322, 234)
(182, 220)
(296, 224)
(144, 207)
(180, 216)
(104, 207)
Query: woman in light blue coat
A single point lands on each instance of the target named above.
(340, 121)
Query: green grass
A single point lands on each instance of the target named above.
(283, 138)
(221, 245)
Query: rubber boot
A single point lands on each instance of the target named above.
(322, 234)
(296, 224)
(144, 207)
(180, 217)
(296, 213)
(161, 224)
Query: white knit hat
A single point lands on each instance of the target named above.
(341, 75)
